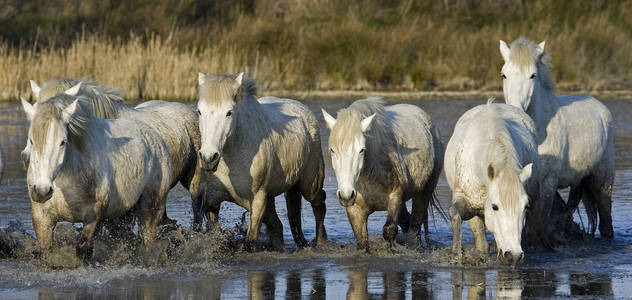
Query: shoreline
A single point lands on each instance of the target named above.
(308, 95)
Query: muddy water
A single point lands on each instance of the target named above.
(211, 265)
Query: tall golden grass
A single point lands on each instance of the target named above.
(344, 45)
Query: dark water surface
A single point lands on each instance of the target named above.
(586, 269)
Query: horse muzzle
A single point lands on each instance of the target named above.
(41, 193)
(210, 163)
(509, 258)
(347, 199)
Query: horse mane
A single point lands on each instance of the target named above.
(380, 138)
(51, 110)
(502, 157)
(524, 53)
(105, 103)
(218, 87)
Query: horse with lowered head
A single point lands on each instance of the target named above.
(383, 156)
(258, 149)
(90, 170)
(176, 123)
(491, 163)
(574, 134)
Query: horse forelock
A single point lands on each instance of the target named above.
(51, 112)
(524, 54)
(219, 88)
(104, 102)
(380, 137)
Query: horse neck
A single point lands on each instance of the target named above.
(543, 106)
(251, 119)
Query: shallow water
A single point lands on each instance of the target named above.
(212, 266)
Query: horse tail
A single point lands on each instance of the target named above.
(435, 206)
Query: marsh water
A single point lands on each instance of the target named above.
(211, 265)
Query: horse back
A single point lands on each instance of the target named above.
(583, 126)
(293, 137)
(177, 125)
(137, 163)
(413, 131)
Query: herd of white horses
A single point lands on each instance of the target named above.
(93, 160)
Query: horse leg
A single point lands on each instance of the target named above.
(420, 216)
(600, 190)
(478, 229)
(455, 218)
(274, 226)
(44, 227)
(193, 185)
(85, 245)
(312, 191)
(152, 208)
(319, 208)
(293, 202)
(257, 211)
(394, 205)
(358, 219)
(403, 220)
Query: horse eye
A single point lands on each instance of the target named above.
(229, 113)
(62, 143)
(503, 76)
(532, 76)
(199, 113)
(331, 150)
(362, 151)
(494, 207)
(31, 141)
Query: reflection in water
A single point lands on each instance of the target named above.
(261, 285)
(509, 284)
(540, 283)
(584, 284)
(471, 279)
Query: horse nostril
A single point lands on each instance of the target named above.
(215, 155)
(508, 256)
(521, 257)
(352, 194)
(50, 190)
(338, 194)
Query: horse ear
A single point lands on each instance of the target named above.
(28, 108)
(329, 120)
(201, 78)
(69, 111)
(504, 50)
(73, 90)
(367, 122)
(490, 172)
(540, 47)
(525, 173)
(240, 78)
(35, 88)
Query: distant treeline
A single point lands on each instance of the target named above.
(154, 48)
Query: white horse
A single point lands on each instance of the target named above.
(383, 156)
(489, 162)
(90, 170)
(574, 133)
(258, 149)
(176, 123)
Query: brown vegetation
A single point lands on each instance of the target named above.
(154, 49)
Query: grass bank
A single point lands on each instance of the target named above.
(323, 45)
